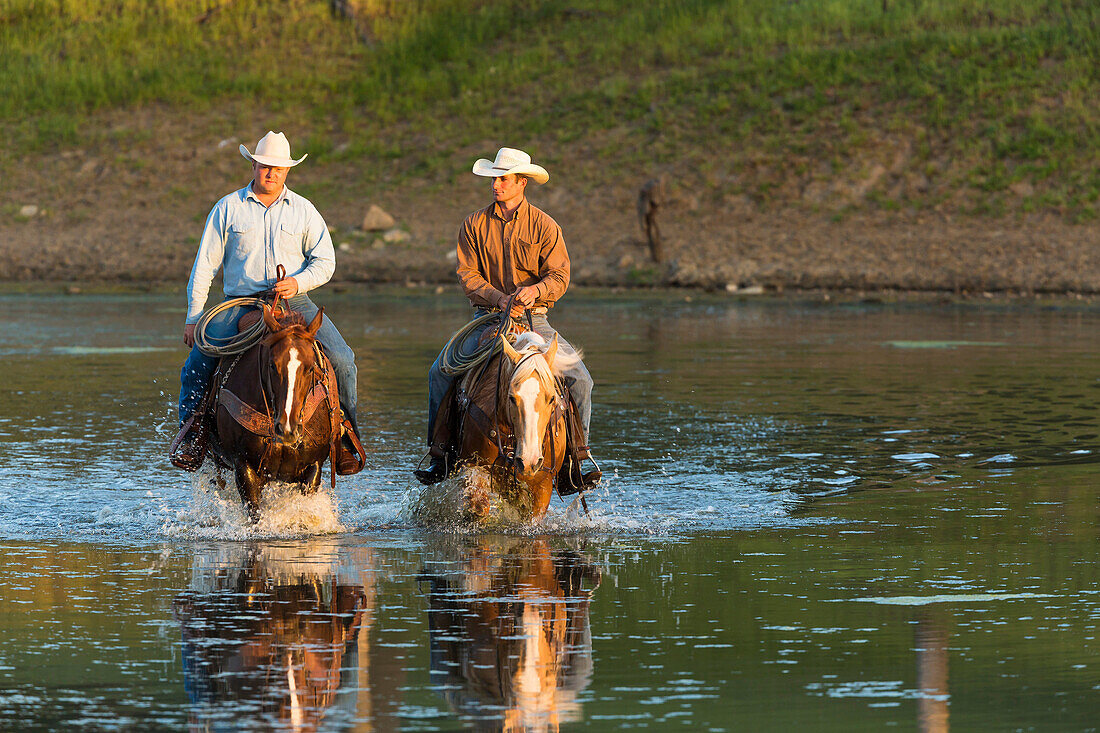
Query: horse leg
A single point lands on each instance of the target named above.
(310, 479)
(542, 490)
(219, 478)
(249, 486)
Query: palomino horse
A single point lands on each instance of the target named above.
(509, 634)
(513, 422)
(268, 424)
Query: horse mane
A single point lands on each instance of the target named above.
(530, 342)
(296, 330)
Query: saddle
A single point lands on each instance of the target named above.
(282, 316)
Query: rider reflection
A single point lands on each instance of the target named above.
(268, 639)
(509, 633)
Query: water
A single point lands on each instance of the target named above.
(844, 517)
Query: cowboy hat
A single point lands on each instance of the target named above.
(510, 160)
(273, 150)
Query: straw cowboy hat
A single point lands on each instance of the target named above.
(274, 150)
(510, 160)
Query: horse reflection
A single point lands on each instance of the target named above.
(266, 641)
(509, 634)
(931, 644)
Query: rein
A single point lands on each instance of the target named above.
(239, 343)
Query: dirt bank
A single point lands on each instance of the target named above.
(133, 215)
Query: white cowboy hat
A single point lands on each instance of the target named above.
(274, 150)
(510, 160)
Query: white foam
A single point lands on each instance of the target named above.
(285, 511)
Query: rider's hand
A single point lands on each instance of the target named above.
(285, 288)
(527, 295)
(189, 334)
(517, 309)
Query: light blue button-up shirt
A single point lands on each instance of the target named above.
(249, 240)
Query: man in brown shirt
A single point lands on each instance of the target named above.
(510, 247)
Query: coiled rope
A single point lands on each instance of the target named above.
(230, 345)
(454, 361)
(239, 342)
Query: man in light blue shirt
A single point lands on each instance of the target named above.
(247, 235)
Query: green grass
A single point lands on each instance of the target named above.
(980, 95)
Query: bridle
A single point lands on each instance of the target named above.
(266, 359)
(507, 450)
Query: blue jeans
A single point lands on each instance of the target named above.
(577, 379)
(199, 368)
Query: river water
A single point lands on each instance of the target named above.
(838, 517)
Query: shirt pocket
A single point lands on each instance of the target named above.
(526, 255)
(242, 239)
(289, 239)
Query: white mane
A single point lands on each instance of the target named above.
(530, 342)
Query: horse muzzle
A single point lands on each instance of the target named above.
(287, 438)
(526, 469)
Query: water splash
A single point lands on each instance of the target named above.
(217, 512)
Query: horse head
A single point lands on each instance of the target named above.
(532, 396)
(288, 365)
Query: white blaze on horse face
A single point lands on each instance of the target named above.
(530, 446)
(294, 365)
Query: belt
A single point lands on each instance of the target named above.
(538, 310)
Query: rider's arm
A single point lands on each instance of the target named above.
(553, 265)
(320, 256)
(476, 287)
(208, 261)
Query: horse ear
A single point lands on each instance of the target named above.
(269, 319)
(509, 351)
(551, 351)
(315, 324)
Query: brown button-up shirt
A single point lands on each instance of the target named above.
(497, 256)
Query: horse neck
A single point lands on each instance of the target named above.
(485, 386)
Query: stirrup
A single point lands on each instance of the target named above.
(350, 456)
(188, 449)
(572, 481)
(434, 473)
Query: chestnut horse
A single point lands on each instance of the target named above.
(514, 423)
(278, 413)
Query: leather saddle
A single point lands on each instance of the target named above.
(282, 316)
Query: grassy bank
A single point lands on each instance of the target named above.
(984, 108)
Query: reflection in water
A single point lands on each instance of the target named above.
(270, 637)
(931, 646)
(509, 632)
